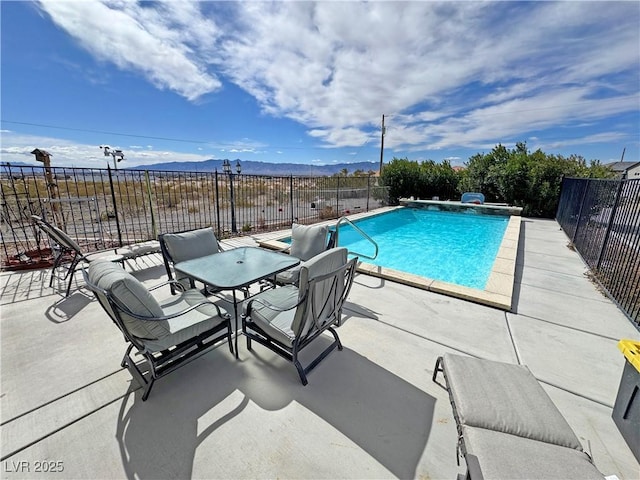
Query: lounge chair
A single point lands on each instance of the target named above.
(472, 197)
(166, 335)
(508, 427)
(287, 319)
(307, 241)
(62, 245)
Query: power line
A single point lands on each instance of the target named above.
(149, 137)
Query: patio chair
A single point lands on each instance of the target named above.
(472, 197)
(62, 245)
(307, 241)
(186, 245)
(287, 319)
(165, 334)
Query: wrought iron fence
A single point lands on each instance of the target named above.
(602, 219)
(104, 208)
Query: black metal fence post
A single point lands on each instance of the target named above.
(291, 196)
(115, 206)
(338, 196)
(217, 203)
(154, 227)
(368, 190)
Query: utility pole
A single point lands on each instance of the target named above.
(382, 132)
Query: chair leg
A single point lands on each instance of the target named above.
(437, 369)
(71, 272)
(230, 337)
(147, 390)
(303, 376)
(126, 356)
(69, 284)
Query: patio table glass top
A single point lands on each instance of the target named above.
(239, 267)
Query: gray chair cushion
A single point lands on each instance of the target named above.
(133, 295)
(189, 325)
(193, 244)
(290, 276)
(505, 398)
(277, 324)
(307, 241)
(138, 249)
(324, 297)
(505, 456)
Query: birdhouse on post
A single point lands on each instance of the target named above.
(44, 157)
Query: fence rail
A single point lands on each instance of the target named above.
(602, 219)
(104, 208)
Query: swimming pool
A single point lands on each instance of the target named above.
(458, 248)
(457, 254)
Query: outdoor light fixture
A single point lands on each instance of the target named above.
(226, 168)
(117, 155)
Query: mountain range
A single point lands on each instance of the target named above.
(249, 167)
(262, 168)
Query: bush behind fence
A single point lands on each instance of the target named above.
(105, 208)
(602, 219)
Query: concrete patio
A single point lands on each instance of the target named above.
(369, 411)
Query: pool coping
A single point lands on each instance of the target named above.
(498, 291)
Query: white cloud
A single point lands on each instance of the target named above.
(459, 74)
(65, 153)
(167, 44)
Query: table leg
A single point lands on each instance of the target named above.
(235, 313)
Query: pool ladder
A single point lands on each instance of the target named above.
(344, 220)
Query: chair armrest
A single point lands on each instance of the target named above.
(173, 315)
(168, 282)
(271, 306)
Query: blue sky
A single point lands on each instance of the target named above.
(309, 82)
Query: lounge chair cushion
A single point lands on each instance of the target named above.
(189, 325)
(505, 398)
(514, 457)
(133, 295)
(138, 249)
(192, 244)
(276, 323)
(307, 241)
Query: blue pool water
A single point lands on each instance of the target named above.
(458, 248)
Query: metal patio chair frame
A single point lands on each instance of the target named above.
(162, 362)
(315, 315)
(169, 261)
(62, 244)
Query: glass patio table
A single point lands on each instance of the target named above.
(235, 269)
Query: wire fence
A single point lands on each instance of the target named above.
(104, 208)
(602, 219)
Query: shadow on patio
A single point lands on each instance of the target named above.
(381, 413)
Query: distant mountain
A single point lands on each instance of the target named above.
(262, 168)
